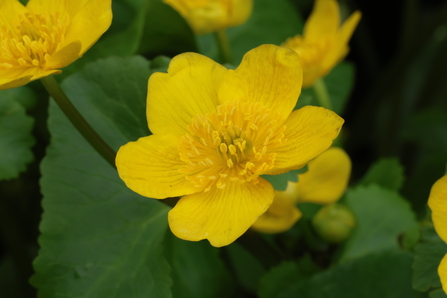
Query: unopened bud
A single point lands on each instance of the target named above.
(334, 223)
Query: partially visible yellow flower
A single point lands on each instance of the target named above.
(205, 16)
(215, 131)
(324, 42)
(324, 182)
(438, 205)
(37, 40)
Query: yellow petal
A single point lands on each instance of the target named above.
(89, 23)
(268, 74)
(150, 166)
(10, 11)
(442, 271)
(326, 178)
(323, 21)
(438, 205)
(340, 48)
(68, 7)
(65, 56)
(240, 12)
(310, 131)
(13, 78)
(188, 89)
(282, 214)
(220, 215)
(88, 19)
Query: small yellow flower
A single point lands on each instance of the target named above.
(215, 131)
(37, 40)
(324, 43)
(438, 205)
(205, 16)
(324, 182)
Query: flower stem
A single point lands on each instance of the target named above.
(64, 103)
(322, 94)
(224, 45)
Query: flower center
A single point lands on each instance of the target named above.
(233, 144)
(32, 41)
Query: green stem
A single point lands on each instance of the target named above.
(77, 120)
(224, 46)
(322, 94)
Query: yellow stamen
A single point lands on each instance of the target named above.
(32, 42)
(223, 145)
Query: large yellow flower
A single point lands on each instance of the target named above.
(37, 40)
(215, 131)
(205, 16)
(324, 182)
(438, 205)
(324, 43)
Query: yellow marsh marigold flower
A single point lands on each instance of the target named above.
(324, 182)
(324, 43)
(438, 205)
(37, 40)
(215, 131)
(205, 16)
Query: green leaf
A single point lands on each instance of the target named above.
(382, 215)
(385, 275)
(247, 269)
(23, 95)
(271, 22)
(280, 182)
(140, 26)
(98, 238)
(438, 294)
(387, 172)
(165, 32)
(16, 139)
(428, 253)
(285, 276)
(122, 38)
(197, 270)
(339, 83)
(160, 64)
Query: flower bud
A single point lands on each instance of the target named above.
(334, 223)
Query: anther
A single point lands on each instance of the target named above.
(223, 148)
(232, 149)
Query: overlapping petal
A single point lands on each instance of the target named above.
(187, 90)
(10, 11)
(326, 178)
(240, 12)
(206, 16)
(438, 205)
(269, 75)
(88, 19)
(150, 166)
(310, 131)
(340, 48)
(282, 214)
(323, 21)
(19, 77)
(220, 215)
(65, 29)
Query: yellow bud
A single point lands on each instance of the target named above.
(334, 223)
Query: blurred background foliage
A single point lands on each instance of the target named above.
(395, 107)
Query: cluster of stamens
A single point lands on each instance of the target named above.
(232, 145)
(33, 41)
